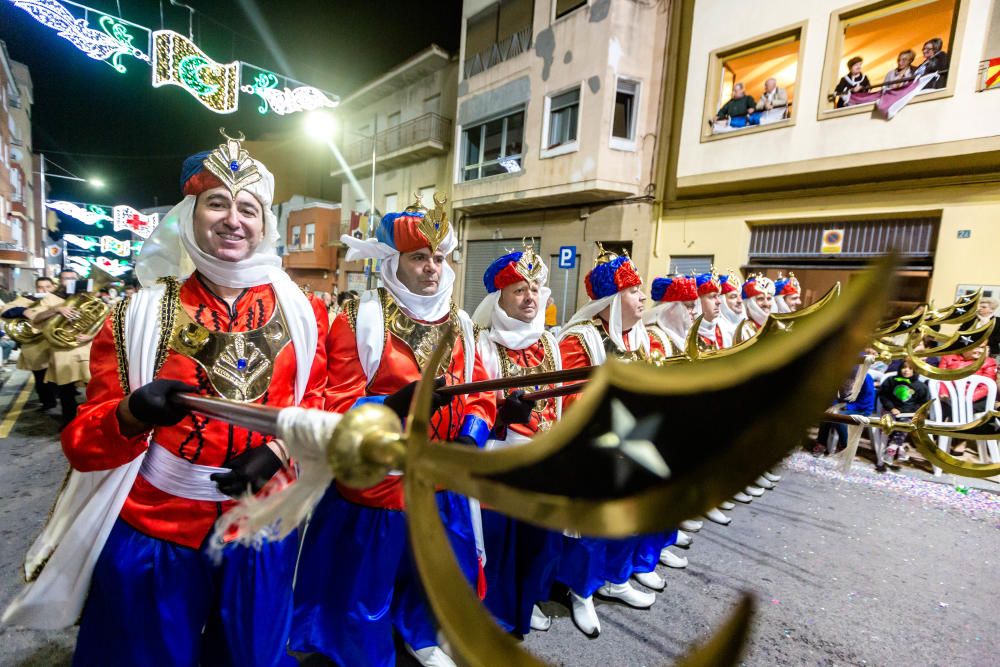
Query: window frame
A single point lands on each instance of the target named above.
(570, 146)
(716, 62)
(835, 45)
(295, 237)
(555, 19)
(307, 242)
(621, 143)
(460, 165)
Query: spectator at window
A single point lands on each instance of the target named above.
(987, 312)
(855, 81)
(904, 70)
(935, 60)
(739, 109)
(773, 96)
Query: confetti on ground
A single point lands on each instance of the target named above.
(971, 502)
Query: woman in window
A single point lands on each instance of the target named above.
(855, 81)
(903, 71)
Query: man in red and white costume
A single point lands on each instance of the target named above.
(150, 479)
(787, 294)
(758, 299)
(711, 334)
(734, 317)
(669, 321)
(522, 559)
(356, 579)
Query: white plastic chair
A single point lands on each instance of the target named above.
(960, 394)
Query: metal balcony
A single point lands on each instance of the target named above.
(415, 140)
(498, 52)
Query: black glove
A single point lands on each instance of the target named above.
(400, 401)
(250, 470)
(514, 409)
(152, 404)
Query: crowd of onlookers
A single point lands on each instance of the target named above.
(742, 110)
(898, 389)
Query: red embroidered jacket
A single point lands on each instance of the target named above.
(347, 383)
(530, 357)
(575, 355)
(93, 441)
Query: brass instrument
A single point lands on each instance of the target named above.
(62, 333)
(21, 331)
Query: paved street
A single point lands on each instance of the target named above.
(862, 570)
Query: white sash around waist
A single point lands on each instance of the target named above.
(179, 477)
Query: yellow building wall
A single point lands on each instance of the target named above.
(975, 260)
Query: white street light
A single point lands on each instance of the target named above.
(97, 183)
(319, 125)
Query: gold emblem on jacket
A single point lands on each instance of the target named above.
(238, 364)
(421, 338)
(510, 369)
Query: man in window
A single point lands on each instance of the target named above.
(773, 97)
(935, 60)
(739, 109)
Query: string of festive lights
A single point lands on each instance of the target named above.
(128, 219)
(90, 214)
(176, 60)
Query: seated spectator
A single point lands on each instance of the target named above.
(739, 109)
(863, 404)
(935, 60)
(855, 81)
(902, 394)
(904, 70)
(773, 96)
(988, 370)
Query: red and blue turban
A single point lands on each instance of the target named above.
(757, 285)
(512, 268)
(674, 289)
(708, 283)
(786, 286)
(609, 278)
(728, 284)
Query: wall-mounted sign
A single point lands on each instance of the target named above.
(832, 242)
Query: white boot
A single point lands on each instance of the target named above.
(671, 559)
(718, 517)
(691, 525)
(742, 498)
(727, 505)
(764, 483)
(683, 539)
(431, 656)
(625, 593)
(772, 477)
(539, 621)
(584, 615)
(755, 491)
(650, 580)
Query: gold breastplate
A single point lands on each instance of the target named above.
(509, 369)
(238, 364)
(611, 350)
(668, 344)
(421, 338)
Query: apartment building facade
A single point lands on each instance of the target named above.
(556, 134)
(831, 180)
(20, 230)
(401, 126)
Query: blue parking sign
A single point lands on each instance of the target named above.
(567, 257)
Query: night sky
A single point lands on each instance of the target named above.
(93, 120)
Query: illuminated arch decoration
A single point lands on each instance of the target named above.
(91, 215)
(177, 61)
(83, 242)
(283, 100)
(115, 267)
(109, 44)
(128, 219)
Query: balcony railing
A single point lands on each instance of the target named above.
(429, 128)
(498, 52)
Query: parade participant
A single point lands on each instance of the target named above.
(758, 299)
(734, 316)
(521, 559)
(669, 321)
(710, 332)
(68, 366)
(237, 327)
(34, 355)
(356, 578)
(787, 294)
(610, 324)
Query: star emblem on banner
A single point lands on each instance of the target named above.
(631, 437)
